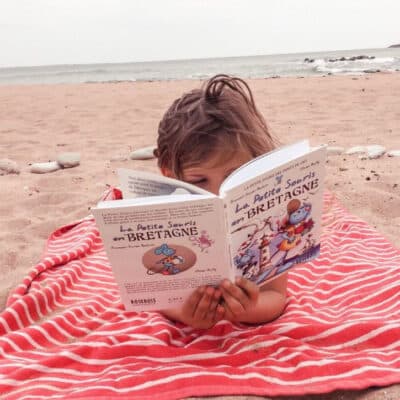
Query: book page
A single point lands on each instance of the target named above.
(274, 219)
(160, 253)
(159, 200)
(135, 183)
(265, 162)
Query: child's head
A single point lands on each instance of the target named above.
(218, 122)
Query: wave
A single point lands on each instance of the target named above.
(353, 66)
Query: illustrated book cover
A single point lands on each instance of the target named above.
(167, 237)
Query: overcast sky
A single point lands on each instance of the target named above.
(41, 32)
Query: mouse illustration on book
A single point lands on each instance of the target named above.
(171, 261)
(168, 259)
(297, 224)
(203, 241)
(270, 242)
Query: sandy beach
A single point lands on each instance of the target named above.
(107, 121)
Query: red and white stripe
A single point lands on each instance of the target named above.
(65, 333)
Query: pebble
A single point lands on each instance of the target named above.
(8, 167)
(370, 151)
(144, 153)
(375, 151)
(393, 153)
(69, 159)
(43, 168)
(334, 150)
(356, 150)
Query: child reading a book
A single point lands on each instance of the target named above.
(204, 136)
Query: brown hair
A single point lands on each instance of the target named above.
(220, 116)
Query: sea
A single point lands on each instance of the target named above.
(346, 62)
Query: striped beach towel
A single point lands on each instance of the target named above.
(65, 334)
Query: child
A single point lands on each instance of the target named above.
(204, 136)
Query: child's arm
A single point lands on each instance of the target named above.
(244, 302)
(201, 310)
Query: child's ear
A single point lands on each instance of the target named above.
(166, 172)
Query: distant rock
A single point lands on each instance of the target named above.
(44, 168)
(355, 58)
(394, 46)
(8, 166)
(69, 159)
(371, 71)
(145, 153)
(309, 60)
(352, 58)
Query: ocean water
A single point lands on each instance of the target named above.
(298, 64)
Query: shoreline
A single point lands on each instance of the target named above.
(356, 75)
(284, 65)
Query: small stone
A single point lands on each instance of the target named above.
(334, 150)
(44, 168)
(31, 190)
(393, 153)
(356, 150)
(375, 151)
(8, 167)
(69, 159)
(145, 153)
(77, 179)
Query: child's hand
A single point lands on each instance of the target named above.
(202, 309)
(240, 298)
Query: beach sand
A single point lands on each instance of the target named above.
(103, 121)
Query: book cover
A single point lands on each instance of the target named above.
(161, 252)
(275, 218)
(167, 237)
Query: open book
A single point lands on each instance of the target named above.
(167, 237)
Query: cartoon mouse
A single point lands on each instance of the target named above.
(298, 217)
(297, 225)
(170, 261)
